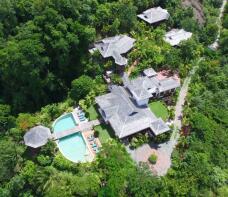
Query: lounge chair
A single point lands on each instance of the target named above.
(90, 138)
(94, 148)
(94, 145)
(91, 135)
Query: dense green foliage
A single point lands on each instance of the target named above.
(44, 59)
(202, 155)
(44, 45)
(81, 87)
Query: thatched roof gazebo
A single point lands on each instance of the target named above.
(37, 136)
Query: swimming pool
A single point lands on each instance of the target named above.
(73, 147)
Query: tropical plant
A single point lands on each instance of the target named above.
(153, 159)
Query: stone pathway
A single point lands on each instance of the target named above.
(197, 7)
(215, 44)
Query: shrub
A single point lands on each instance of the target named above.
(25, 121)
(44, 160)
(139, 140)
(96, 133)
(80, 87)
(6, 120)
(171, 111)
(62, 164)
(116, 79)
(153, 159)
(163, 137)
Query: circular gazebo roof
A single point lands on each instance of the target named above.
(37, 136)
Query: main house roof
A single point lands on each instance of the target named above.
(125, 117)
(154, 15)
(175, 36)
(114, 47)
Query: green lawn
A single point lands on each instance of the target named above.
(159, 109)
(92, 113)
(105, 132)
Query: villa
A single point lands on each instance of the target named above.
(154, 15)
(114, 47)
(175, 36)
(125, 116)
(126, 108)
(149, 86)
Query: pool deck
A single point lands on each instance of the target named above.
(83, 126)
(87, 134)
(76, 118)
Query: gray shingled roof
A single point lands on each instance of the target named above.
(154, 15)
(158, 127)
(114, 47)
(168, 84)
(143, 87)
(124, 116)
(175, 36)
(37, 136)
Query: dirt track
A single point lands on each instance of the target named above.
(197, 9)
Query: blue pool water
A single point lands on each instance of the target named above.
(65, 122)
(73, 147)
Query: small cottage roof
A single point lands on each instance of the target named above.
(175, 36)
(154, 15)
